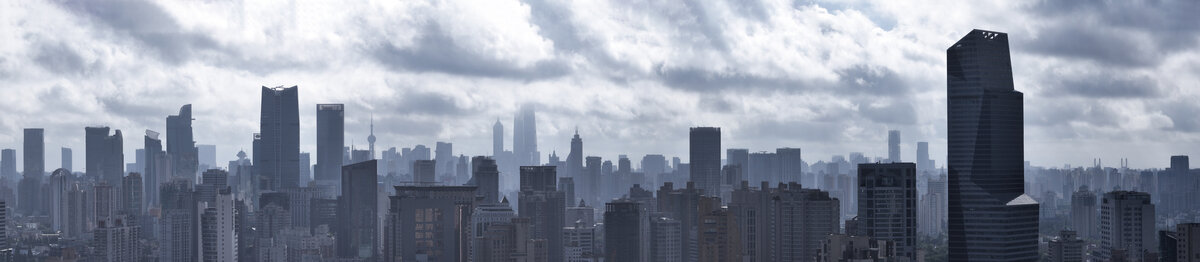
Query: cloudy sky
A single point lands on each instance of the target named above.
(1102, 79)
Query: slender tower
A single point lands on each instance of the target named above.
(990, 218)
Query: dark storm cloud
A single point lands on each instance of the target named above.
(1112, 32)
(149, 24)
(58, 58)
(434, 51)
(1107, 86)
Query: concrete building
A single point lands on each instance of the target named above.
(894, 146)
(1084, 213)
(625, 231)
(718, 236)
(116, 240)
(842, 247)
(544, 206)
(665, 242)
(181, 145)
(218, 232)
(887, 205)
(1126, 227)
(277, 152)
(487, 179)
(1066, 247)
(424, 171)
(430, 223)
(358, 227)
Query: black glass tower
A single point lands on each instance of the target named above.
(705, 158)
(330, 140)
(278, 162)
(990, 218)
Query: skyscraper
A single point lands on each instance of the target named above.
(626, 228)
(487, 178)
(155, 169)
(789, 160)
(423, 171)
(105, 157)
(59, 186)
(67, 162)
(705, 159)
(131, 195)
(525, 150)
(1067, 247)
(575, 158)
(358, 211)
(923, 163)
(330, 140)
(30, 195)
(8, 165)
(1126, 227)
(893, 145)
(1083, 213)
(545, 207)
(278, 159)
(444, 155)
(887, 205)
(497, 139)
(429, 222)
(990, 217)
(181, 146)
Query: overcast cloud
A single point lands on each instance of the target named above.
(1102, 79)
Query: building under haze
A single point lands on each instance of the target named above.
(1084, 213)
(29, 190)
(986, 154)
(330, 140)
(181, 144)
(357, 227)
(277, 153)
(540, 201)
(887, 205)
(894, 146)
(429, 223)
(1127, 230)
(525, 147)
(705, 159)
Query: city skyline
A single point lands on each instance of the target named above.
(823, 96)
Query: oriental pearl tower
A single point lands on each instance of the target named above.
(371, 138)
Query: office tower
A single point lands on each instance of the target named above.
(705, 159)
(423, 171)
(575, 158)
(156, 168)
(737, 157)
(591, 179)
(305, 169)
(544, 206)
(131, 196)
(29, 198)
(1126, 226)
(763, 167)
(887, 205)
(923, 163)
(1177, 188)
(177, 226)
(211, 182)
(497, 139)
(783, 224)
(105, 156)
(67, 158)
(8, 165)
(894, 146)
(181, 146)
(1083, 213)
(525, 149)
(278, 159)
(789, 161)
(654, 166)
(932, 211)
(665, 245)
(483, 218)
(60, 181)
(843, 247)
(104, 201)
(4, 225)
(581, 214)
(77, 214)
(462, 169)
(1187, 245)
(358, 211)
(116, 240)
(206, 155)
(330, 140)
(358, 156)
(625, 227)
(719, 239)
(581, 243)
(986, 155)
(218, 232)
(444, 155)
(680, 204)
(431, 223)
(567, 186)
(1066, 247)
(487, 178)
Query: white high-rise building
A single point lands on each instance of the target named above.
(218, 237)
(1126, 226)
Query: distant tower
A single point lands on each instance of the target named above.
(705, 155)
(497, 139)
(330, 141)
(371, 138)
(893, 146)
(278, 158)
(525, 149)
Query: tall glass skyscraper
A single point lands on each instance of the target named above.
(277, 155)
(990, 218)
(331, 137)
(705, 157)
(181, 145)
(525, 149)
